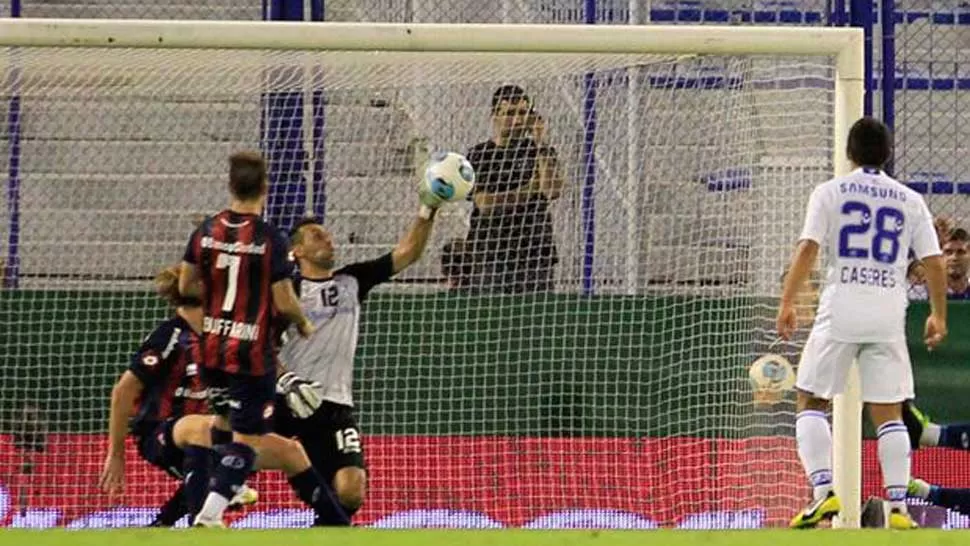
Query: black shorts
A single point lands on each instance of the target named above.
(330, 436)
(156, 445)
(246, 400)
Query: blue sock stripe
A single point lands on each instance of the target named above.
(894, 427)
(896, 492)
(889, 424)
(820, 477)
(885, 431)
(810, 413)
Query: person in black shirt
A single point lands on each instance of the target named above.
(517, 176)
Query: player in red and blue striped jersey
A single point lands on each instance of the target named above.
(238, 264)
(161, 402)
(242, 264)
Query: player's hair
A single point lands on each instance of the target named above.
(167, 287)
(959, 234)
(247, 175)
(511, 93)
(870, 143)
(296, 237)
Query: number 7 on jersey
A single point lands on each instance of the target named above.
(230, 262)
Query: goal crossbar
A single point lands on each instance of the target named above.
(482, 38)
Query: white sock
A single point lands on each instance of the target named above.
(894, 460)
(814, 439)
(214, 507)
(930, 436)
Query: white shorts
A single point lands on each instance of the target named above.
(884, 368)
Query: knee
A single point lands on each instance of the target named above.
(192, 430)
(806, 401)
(257, 442)
(884, 413)
(279, 453)
(350, 484)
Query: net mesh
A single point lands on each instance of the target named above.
(931, 70)
(788, 12)
(614, 395)
(244, 10)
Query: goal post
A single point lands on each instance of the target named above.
(683, 185)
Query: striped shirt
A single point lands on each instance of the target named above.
(239, 257)
(167, 364)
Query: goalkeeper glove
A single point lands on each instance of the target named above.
(429, 201)
(302, 396)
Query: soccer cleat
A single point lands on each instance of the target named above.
(916, 421)
(820, 510)
(246, 496)
(901, 521)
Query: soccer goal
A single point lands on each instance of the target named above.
(614, 393)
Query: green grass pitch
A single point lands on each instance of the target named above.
(366, 537)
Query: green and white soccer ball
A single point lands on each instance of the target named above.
(449, 176)
(772, 373)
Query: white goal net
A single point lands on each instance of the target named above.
(610, 392)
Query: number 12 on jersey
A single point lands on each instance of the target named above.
(230, 262)
(887, 227)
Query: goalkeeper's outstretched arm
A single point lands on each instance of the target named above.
(410, 247)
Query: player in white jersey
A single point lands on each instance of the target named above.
(316, 401)
(867, 224)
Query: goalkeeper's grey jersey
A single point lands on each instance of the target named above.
(333, 305)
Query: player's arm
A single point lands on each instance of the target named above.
(123, 397)
(814, 232)
(288, 304)
(926, 247)
(284, 296)
(934, 271)
(410, 247)
(189, 285)
(803, 261)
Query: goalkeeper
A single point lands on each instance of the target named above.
(925, 433)
(316, 404)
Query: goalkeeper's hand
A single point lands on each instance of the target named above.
(302, 396)
(429, 201)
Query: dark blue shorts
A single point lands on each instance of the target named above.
(156, 445)
(246, 400)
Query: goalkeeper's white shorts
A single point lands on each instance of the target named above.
(884, 368)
